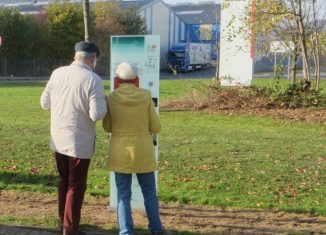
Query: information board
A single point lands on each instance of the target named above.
(144, 52)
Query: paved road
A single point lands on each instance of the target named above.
(208, 73)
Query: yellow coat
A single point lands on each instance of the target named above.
(132, 119)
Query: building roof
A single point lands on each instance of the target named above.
(205, 13)
(137, 3)
(27, 6)
(9, 3)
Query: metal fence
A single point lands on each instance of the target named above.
(42, 67)
(266, 63)
(36, 67)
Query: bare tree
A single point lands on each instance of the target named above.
(300, 17)
(288, 34)
(293, 21)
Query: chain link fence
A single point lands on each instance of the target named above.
(266, 63)
(36, 67)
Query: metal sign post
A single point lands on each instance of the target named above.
(144, 52)
(275, 62)
(282, 47)
(289, 66)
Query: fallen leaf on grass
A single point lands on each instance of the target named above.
(13, 168)
(186, 179)
(35, 170)
(300, 170)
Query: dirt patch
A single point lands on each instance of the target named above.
(305, 114)
(195, 219)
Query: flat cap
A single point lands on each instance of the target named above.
(89, 47)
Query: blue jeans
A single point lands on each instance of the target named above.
(148, 188)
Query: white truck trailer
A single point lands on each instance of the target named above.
(186, 57)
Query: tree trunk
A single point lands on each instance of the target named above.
(294, 65)
(316, 47)
(86, 20)
(294, 54)
(303, 43)
(317, 69)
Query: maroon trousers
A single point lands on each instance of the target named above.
(71, 190)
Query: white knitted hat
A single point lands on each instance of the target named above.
(126, 71)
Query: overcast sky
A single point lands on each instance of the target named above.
(191, 1)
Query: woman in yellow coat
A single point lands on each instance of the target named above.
(131, 120)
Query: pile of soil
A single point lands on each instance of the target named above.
(241, 101)
(175, 217)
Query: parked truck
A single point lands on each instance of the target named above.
(186, 57)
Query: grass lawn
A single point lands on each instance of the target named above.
(220, 160)
(263, 82)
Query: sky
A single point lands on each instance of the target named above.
(191, 1)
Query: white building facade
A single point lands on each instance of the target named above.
(181, 23)
(161, 20)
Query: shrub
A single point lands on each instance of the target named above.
(296, 95)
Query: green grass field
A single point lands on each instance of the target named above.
(220, 160)
(260, 82)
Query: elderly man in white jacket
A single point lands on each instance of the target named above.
(75, 96)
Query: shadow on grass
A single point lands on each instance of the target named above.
(11, 180)
(94, 230)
